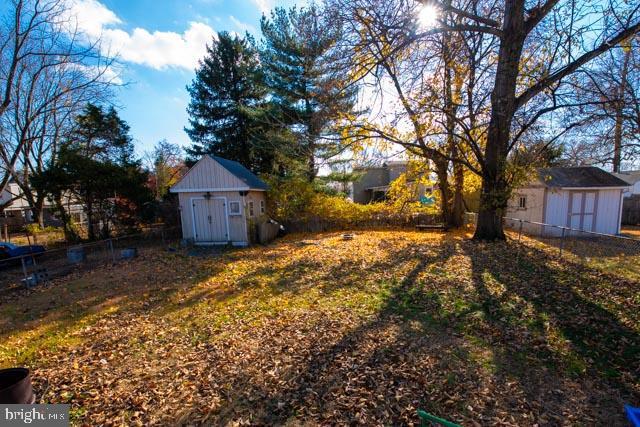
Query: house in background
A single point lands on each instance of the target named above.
(219, 201)
(633, 179)
(631, 201)
(585, 198)
(374, 183)
(19, 213)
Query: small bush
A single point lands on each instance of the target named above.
(34, 229)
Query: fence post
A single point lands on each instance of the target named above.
(113, 254)
(24, 269)
(520, 231)
(562, 240)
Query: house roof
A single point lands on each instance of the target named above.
(578, 177)
(631, 177)
(242, 173)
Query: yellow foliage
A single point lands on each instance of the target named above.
(295, 199)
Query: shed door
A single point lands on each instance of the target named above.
(589, 211)
(218, 212)
(582, 212)
(210, 220)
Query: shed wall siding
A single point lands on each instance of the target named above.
(208, 173)
(533, 211)
(607, 210)
(255, 197)
(557, 209)
(608, 214)
(237, 225)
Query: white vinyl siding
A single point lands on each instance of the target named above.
(238, 227)
(209, 180)
(237, 231)
(533, 200)
(608, 213)
(208, 174)
(603, 203)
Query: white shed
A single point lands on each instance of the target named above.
(219, 201)
(584, 198)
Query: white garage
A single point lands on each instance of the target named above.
(220, 202)
(582, 198)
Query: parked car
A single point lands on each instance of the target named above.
(9, 250)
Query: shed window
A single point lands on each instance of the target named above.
(262, 206)
(522, 202)
(251, 208)
(234, 208)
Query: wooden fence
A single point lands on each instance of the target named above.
(631, 210)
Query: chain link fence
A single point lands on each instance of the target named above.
(36, 268)
(567, 241)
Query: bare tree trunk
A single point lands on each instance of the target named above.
(90, 219)
(457, 208)
(38, 211)
(457, 213)
(311, 172)
(494, 196)
(69, 233)
(445, 192)
(619, 106)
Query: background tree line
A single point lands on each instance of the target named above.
(491, 88)
(60, 141)
(484, 89)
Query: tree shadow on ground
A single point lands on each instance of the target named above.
(490, 334)
(138, 286)
(516, 343)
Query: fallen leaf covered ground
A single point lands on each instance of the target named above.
(313, 329)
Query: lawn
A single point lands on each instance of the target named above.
(316, 330)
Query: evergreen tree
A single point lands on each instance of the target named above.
(308, 94)
(225, 108)
(96, 167)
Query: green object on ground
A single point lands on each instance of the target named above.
(426, 417)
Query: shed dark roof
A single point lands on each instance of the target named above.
(581, 176)
(242, 173)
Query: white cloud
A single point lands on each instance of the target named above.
(242, 25)
(91, 16)
(264, 5)
(161, 49)
(156, 49)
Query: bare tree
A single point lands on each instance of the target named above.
(610, 92)
(432, 102)
(539, 45)
(49, 72)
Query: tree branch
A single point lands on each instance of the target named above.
(543, 84)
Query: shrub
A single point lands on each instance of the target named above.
(296, 200)
(35, 228)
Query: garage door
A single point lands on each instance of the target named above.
(210, 220)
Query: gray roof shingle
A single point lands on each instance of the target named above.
(631, 177)
(581, 176)
(242, 173)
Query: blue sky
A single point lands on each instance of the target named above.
(158, 43)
